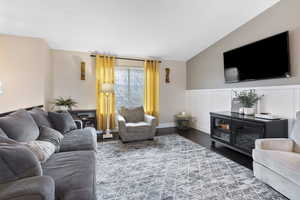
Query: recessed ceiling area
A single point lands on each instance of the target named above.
(165, 29)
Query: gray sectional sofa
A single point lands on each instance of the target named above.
(66, 175)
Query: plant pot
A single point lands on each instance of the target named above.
(241, 110)
(62, 108)
(249, 111)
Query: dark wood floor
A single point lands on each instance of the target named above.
(203, 139)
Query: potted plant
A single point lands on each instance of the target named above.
(248, 99)
(65, 104)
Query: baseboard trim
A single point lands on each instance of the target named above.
(166, 125)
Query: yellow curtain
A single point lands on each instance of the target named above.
(151, 93)
(105, 74)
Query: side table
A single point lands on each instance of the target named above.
(182, 121)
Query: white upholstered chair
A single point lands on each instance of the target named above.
(277, 162)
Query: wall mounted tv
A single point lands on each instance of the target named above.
(264, 59)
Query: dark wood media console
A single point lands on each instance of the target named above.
(239, 132)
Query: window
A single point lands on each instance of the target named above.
(129, 86)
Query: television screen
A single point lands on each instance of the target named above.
(265, 59)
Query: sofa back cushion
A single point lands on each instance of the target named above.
(20, 126)
(16, 162)
(295, 135)
(62, 122)
(40, 117)
(133, 115)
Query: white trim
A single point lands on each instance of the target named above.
(166, 125)
(282, 100)
(247, 88)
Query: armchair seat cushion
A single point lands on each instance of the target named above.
(286, 164)
(139, 127)
(73, 174)
(79, 140)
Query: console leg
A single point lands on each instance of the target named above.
(213, 144)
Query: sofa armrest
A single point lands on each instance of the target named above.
(38, 188)
(121, 123)
(151, 120)
(17, 162)
(275, 144)
(79, 123)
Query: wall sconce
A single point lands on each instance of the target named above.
(1, 88)
(167, 75)
(82, 71)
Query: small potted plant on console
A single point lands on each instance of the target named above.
(248, 99)
(64, 104)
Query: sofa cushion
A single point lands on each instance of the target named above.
(16, 162)
(51, 135)
(287, 164)
(20, 126)
(40, 117)
(80, 139)
(73, 174)
(133, 115)
(62, 122)
(139, 127)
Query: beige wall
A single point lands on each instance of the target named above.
(206, 69)
(67, 83)
(66, 77)
(24, 64)
(172, 95)
(33, 75)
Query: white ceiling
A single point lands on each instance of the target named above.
(166, 29)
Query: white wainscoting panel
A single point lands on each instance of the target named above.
(279, 100)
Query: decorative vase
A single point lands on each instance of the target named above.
(249, 111)
(241, 110)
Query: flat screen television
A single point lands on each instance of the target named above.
(264, 59)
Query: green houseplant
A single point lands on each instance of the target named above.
(248, 99)
(65, 104)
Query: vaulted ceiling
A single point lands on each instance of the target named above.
(167, 29)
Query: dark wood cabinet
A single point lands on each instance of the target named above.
(88, 117)
(239, 132)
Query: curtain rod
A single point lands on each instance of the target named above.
(122, 58)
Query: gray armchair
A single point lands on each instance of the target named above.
(134, 125)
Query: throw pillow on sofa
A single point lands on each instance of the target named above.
(50, 135)
(17, 162)
(133, 115)
(62, 122)
(20, 126)
(5, 139)
(40, 117)
(41, 149)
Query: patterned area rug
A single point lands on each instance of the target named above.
(172, 167)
